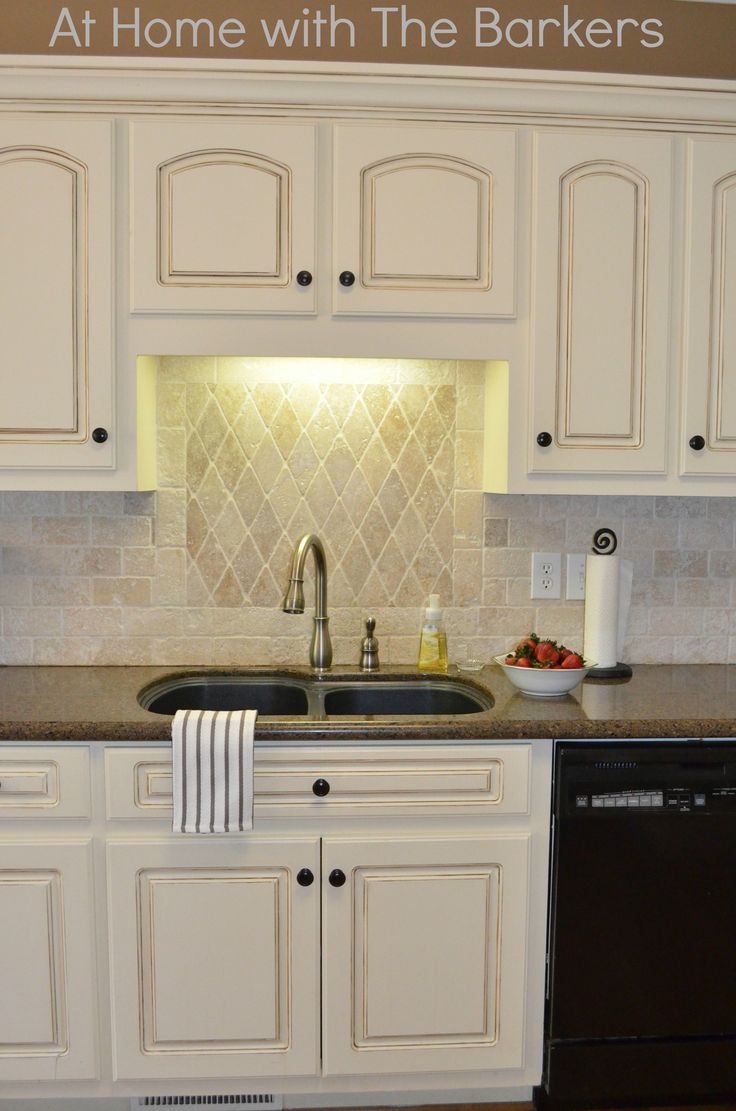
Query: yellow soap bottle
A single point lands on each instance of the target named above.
(433, 642)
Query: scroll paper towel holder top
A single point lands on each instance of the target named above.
(605, 543)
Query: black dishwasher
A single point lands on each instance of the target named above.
(641, 996)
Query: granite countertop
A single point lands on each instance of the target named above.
(100, 704)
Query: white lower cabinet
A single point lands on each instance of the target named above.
(383, 935)
(392, 926)
(214, 957)
(48, 1022)
(422, 953)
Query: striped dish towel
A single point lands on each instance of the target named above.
(213, 770)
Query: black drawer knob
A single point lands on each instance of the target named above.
(99, 435)
(304, 278)
(320, 788)
(337, 877)
(347, 278)
(305, 877)
(697, 443)
(544, 439)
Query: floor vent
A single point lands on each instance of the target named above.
(215, 1103)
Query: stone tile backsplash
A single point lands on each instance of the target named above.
(383, 460)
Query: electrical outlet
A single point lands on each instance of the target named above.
(546, 574)
(575, 576)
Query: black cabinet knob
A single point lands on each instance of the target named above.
(337, 877)
(347, 278)
(99, 435)
(320, 788)
(305, 877)
(697, 443)
(544, 439)
(304, 278)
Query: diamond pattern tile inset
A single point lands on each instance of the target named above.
(368, 467)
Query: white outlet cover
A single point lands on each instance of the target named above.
(546, 574)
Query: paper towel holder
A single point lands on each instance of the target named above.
(605, 542)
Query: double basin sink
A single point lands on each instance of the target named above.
(281, 696)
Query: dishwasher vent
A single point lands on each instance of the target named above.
(214, 1103)
(615, 765)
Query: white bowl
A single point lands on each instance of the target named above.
(543, 682)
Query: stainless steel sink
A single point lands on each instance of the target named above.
(280, 696)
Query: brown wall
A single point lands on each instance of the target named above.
(699, 38)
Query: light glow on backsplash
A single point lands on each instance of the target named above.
(383, 458)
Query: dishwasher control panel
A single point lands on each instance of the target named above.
(682, 800)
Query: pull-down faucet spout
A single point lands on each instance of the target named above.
(320, 650)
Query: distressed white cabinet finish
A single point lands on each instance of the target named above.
(424, 958)
(56, 323)
(601, 278)
(217, 960)
(710, 355)
(424, 219)
(418, 959)
(48, 1023)
(223, 216)
(214, 957)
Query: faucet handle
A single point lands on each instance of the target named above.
(369, 647)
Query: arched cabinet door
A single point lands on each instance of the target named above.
(424, 219)
(56, 358)
(223, 217)
(601, 273)
(710, 357)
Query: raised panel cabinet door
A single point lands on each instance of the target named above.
(56, 362)
(223, 216)
(48, 1015)
(708, 431)
(600, 312)
(424, 954)
(424, 220)
(214, 957)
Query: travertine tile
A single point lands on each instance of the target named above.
(92, 621)
(382, 459)
(121, 591)
(60, 530)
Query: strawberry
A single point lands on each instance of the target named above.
(573, 660)
(546, 653)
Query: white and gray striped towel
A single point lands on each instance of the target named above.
(213, 770)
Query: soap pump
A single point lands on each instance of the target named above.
(433, 642)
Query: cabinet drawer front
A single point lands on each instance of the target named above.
(44, 783)
(418, 780)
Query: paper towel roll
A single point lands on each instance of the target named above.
(602, 600)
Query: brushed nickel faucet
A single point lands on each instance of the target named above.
(320, 650)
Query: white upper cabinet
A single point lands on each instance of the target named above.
(223, 216)
(56, 234)
(601, 274)
(708, 433)
(424, 220)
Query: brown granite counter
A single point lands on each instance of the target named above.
(100, 704)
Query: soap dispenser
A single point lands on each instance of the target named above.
(433, 642)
